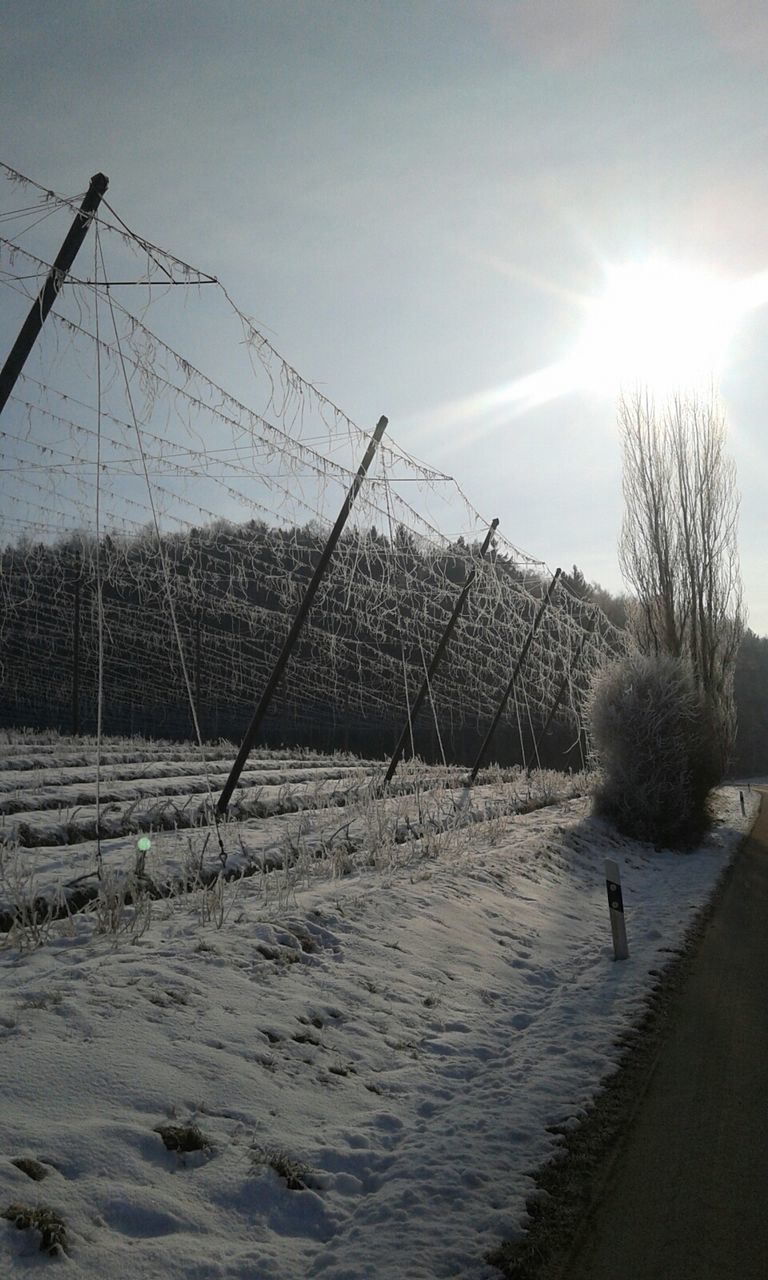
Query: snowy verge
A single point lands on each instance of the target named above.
(372, 1064)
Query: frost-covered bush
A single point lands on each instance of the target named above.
(655, 746)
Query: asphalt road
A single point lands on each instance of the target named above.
(687, 1195)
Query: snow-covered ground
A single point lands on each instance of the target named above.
(371, 1055)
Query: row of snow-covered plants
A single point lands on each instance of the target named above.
(74, 812)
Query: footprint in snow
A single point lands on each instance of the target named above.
(521, 1020)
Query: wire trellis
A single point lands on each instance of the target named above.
(216, 493)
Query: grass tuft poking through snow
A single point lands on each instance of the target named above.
(183, 1138)
(33, 1168)
(41, 1218)
(295, 1173)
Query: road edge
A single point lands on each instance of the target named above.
(573, 1181)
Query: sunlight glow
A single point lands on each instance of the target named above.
(661, 325)
(666, 326)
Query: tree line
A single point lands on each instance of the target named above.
(234, 586)
(77, 616)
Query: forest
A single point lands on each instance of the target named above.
(202, 623)
(201, 620)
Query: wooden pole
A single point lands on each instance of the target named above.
(52, 287)
(298, 622)
(561, 690)
(513, 679)
(440, 650)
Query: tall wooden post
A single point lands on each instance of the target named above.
(50, 290)
(439, 651)
(298, 622)
(563, 686)
(513, 679)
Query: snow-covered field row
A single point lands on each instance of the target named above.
(66, 795)
(25, 751)
(19, 781)
(28, 756)
(48, 789)
(354, 1077)
(364, 832)
(53, 832)
(178, 810)
(307, 831)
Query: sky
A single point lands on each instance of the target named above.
(417, 200)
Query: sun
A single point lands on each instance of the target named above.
(665, 326)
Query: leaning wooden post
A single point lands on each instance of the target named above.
(511, 685)
(434, 664)
(50, 290)
(559, 696)
(616, 907)
(298, 622)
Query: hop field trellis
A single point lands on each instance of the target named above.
(160, 521)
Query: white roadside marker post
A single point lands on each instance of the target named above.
(616, 905)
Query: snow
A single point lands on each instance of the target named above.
(405, 1036)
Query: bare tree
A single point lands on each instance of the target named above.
(678, 545)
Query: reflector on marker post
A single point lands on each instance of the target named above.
(616, 907)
